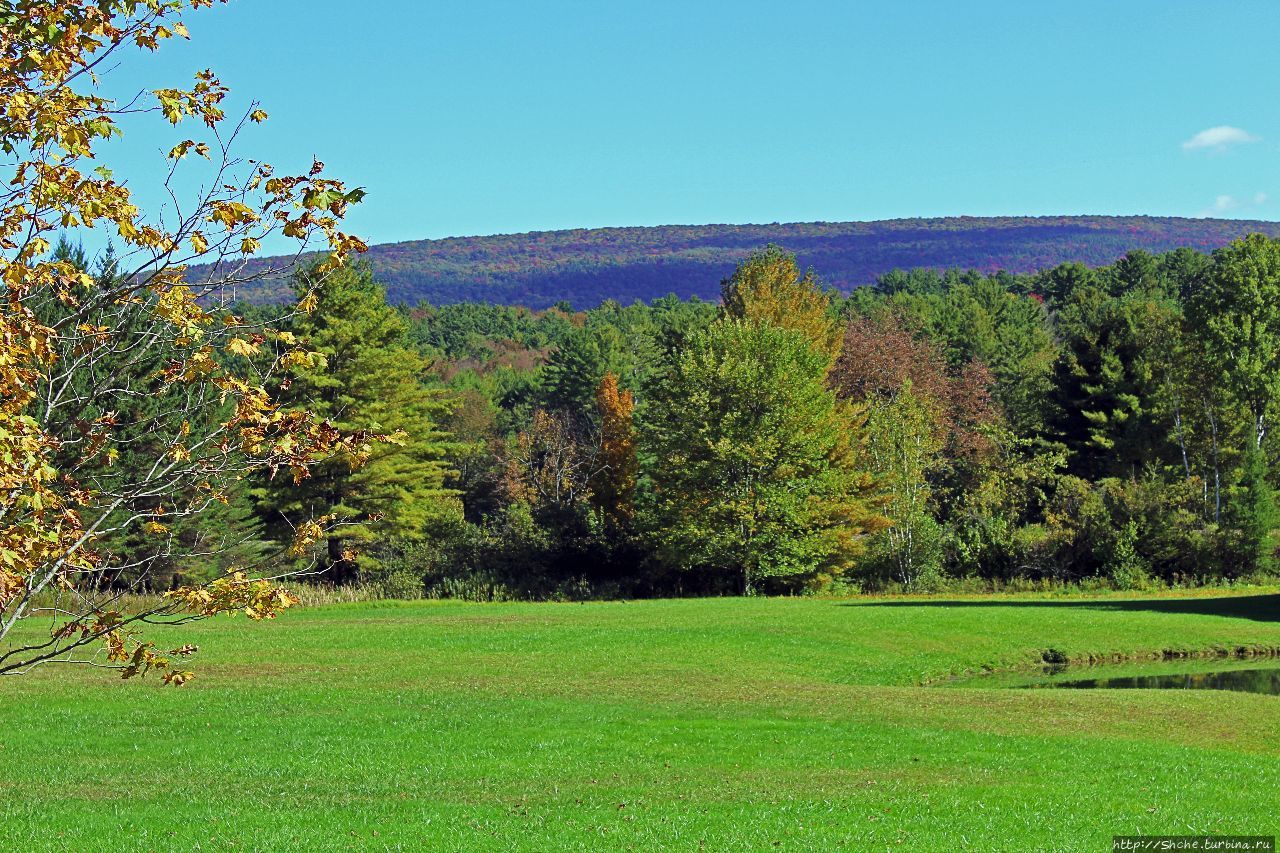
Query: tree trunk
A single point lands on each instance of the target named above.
(1217, 469)
(341, 570)
(1182, 440)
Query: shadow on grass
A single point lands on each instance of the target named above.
(1260, 608)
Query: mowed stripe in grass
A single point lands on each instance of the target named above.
(728, 723)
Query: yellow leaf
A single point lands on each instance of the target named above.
(231, 213)
(239, 346)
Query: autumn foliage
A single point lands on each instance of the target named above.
(768, 287)
(614, 486)
(881, 355)
(213, 422)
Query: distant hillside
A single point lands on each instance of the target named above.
(588, 266)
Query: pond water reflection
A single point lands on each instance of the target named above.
(1262, 680)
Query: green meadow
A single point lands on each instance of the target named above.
(796, 724)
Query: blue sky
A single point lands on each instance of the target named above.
(491, 117)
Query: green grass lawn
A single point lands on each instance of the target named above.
(714, 724)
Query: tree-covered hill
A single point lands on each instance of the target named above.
(588, 266)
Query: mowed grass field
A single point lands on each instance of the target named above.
(716, 724)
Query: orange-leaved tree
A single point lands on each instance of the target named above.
(613, 485)
(78, 352)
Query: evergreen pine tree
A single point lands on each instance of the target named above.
(372, 380)
(576, 368)
(1252, 516)
(119, 384)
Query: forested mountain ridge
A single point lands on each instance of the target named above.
(587, 266)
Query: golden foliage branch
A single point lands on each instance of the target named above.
(58, 491)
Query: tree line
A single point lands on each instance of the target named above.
(1107, 426)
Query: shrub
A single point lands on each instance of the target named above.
(1125, 567)
(402, 584)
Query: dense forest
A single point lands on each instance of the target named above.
(586, 267)
(1107, 427)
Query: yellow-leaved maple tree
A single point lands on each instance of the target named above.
(77, 350)
(769, 287)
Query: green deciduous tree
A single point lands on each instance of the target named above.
(753, 464)
(981, 319)
(1235, 313)
(904, 445)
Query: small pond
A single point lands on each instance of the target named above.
(1256, 676)
(1263, 680)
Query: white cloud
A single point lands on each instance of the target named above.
(1225, 203)
(1219, 138)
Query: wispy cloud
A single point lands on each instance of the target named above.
(1226, 203)
(1219, 138)
(1221, 204)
